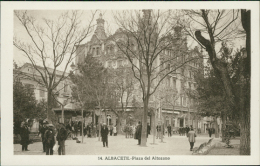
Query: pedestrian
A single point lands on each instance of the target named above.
(191, 137)
(148, 129)
(114, 131)
(187, 129)
(169, 130)
(24, 133)
(42, 131)
(76, 129)
(61, 137)
(139, 132)
(80, 128)
(111, 130)
(49, 138)
(133, 131)
(158, 129)
(210, 132)
(104, 134)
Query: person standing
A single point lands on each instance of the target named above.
(49, 138)
(104, 134)
(42, 131)
(158, 129)
(191, 137)
(76, 128)
(61, 137)
(148, 129)
(210, 132)
(187, 129)
(139, 132)
(169, 130)
(24, 133)
(114, 131)
(111, 130)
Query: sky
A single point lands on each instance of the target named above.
(110, 26)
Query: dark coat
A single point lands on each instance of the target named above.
(148, 129)
(187, 129)
(62, 135)
(169, 128)
(104, 133)
(49, 137)
(158, 128)
(24, 133)
(42, 131)
(138, 132)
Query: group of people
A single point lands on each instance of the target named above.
(51, 135)
(184, 130)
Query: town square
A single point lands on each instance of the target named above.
(135, 84)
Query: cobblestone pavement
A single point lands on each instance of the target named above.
(119, 145)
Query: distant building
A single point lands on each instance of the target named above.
(31, 78)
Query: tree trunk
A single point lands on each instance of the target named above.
(119, 125)
(245, 88)
(144, 123)
(244, 111)
(49, 106)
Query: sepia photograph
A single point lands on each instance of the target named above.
(133, 84)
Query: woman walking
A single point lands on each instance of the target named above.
(191, 136)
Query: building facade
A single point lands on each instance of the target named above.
(177, 111)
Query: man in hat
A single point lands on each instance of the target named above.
(42, 131)
(49, 139)
(104, 134)
(24, 133)
(61, 137)
(139, 132)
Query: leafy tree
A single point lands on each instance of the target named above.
(91, 86)
(222, 26)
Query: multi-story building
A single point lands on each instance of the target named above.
(176, 112)
(31, 78)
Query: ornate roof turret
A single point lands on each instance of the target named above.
(100, 30)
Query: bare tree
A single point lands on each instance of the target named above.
(153, 49)
(221, 26)
(124, 88)
(52, 46)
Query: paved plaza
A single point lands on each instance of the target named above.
(119, 145)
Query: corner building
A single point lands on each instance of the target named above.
(177, 113)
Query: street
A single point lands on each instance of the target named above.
(119, 145)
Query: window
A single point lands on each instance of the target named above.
(109, 64)
(97, 51)
(184, 101)
(189, 84)
(120, 63)
(65, 87)
(169, 66)
(190, 74)
(93, 51)
(42, 93)
(174, 83)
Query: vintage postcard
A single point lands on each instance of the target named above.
(129, 83)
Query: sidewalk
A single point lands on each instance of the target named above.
(119, 145)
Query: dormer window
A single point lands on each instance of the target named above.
(109, 64)
(120, 63)
(97, 51)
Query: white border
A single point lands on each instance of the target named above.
(7, 157)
